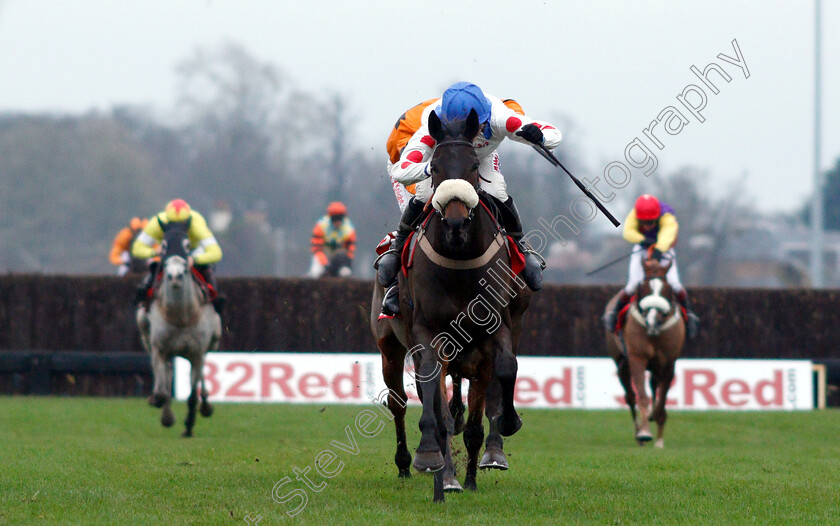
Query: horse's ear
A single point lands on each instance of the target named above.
(471, 129)
(435, 127)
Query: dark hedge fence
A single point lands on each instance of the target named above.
(95, 313)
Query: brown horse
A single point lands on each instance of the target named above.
(462, 314)
(652, 340)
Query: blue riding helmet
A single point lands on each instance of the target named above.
(462, 97)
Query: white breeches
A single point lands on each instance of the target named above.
(316, 269)
(637, 271)
(400, 191)
(491, 181)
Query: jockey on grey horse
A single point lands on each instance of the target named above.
(180, 321)
(204, 250)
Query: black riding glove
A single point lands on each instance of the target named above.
(657, 255)
(647, 243)
(531, 133)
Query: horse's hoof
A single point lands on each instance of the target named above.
(459, 423)
(451, 485)
(470, 485)
(493, 459)
(644, 436)
(428, 461)
(509, 425)
(187, 433)
(167, 418)
(660, 443)
(206, 409)
(404, 474)
(158, 400)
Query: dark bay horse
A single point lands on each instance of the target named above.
(462, 315)
(180, 321)
(652, 340)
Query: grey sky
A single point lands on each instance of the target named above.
(611, 67)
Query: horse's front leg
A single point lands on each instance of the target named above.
(162, 391)
(456, 405)
(450, 483)
(494, 455)
(428, 456)
(638, 366)
(506, 368)
(659, 414)
(196, 373)
(623, 365)
(393, 360)
(474, 431)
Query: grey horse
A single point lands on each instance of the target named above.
(180, 321)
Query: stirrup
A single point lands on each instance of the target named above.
(382, 255)
(536, 254)
(386, 312)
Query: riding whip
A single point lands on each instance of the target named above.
(550, 157)
(613, 262)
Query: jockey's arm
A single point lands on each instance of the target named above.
(631, 231)
(318, 244)
(350, 243)
(668, 230)
(121, 246)
(144, 245)
(506, 122)
(205, 249)
(413, 165)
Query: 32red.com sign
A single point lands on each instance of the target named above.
(586, 383)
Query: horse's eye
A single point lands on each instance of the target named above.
(433, 168)
(475, 166)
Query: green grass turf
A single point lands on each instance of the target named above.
(108, 461)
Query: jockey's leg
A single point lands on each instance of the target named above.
(534, 262)
(611, 318)
(692, 326)
(493, 182)
(207, 273)
(141, 297)
(400, 192)
(388, 265)
(635, 275)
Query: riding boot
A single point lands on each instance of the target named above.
(388, 264)
(391, 301)
(611, 318)
(534, 262)
(692, 325)
(141, 296)
(209, 276)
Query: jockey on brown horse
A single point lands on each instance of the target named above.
(652, 223)
(497, 121)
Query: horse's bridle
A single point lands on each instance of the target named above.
(458, 142)
(654, 301)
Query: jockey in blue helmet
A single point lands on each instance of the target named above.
(498, 122)
(462, 97)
